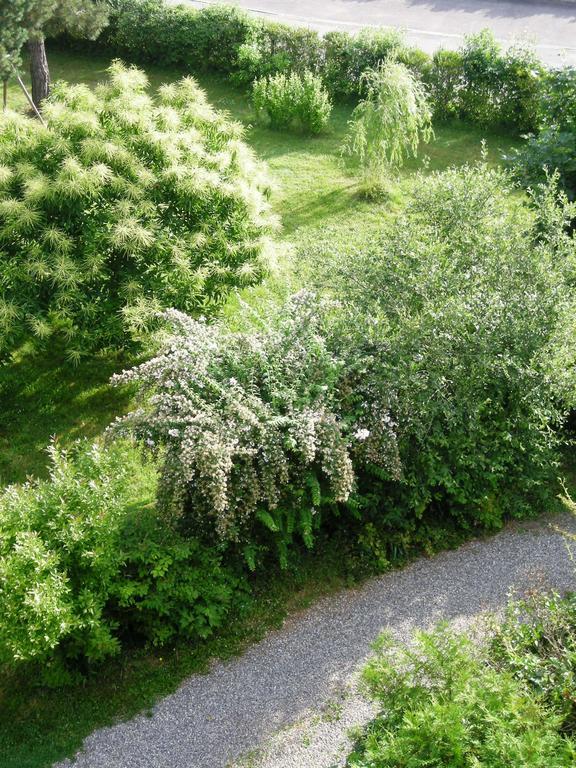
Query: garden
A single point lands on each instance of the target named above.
(278, 313)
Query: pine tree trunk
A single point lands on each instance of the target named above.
(39, 72)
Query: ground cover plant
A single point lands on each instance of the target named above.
(121, 207)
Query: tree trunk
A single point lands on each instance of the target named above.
(4, 95)
(39, 72)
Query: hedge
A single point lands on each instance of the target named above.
(481, 82)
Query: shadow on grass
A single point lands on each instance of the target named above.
(43, 396)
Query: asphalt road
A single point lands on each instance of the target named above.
(432, 24)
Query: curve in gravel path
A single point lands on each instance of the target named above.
(213, 719)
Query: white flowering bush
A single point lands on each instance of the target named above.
(121, 206)
(247, 424)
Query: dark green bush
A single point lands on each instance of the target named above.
(499, 88)
(446, 80)
(548, 152)
(122, 206)
(452, 313)
(274, 48)
(85, 562)
(443, 704)
(347, 57)
(557, 103)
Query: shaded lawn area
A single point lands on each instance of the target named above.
(43, 395)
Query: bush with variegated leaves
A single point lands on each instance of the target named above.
(121, 206)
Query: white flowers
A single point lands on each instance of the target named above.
(362, 434)
(247, 425)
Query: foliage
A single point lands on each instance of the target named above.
(388, 125)
(452, 316)
(499, 88)
(292, 101)
(59, 554)
(348, 57)
(443, 704)
(537, 643)
(550, 151)
(13, 35)
(84, 562)
(553, 147)
(446, 82)
(122, 206)
(273, 48)
(492, 87)
(557, 104)
(251, 443)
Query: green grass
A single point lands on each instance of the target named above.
(42, 396)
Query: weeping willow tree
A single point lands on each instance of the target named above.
(389, 123)
(120, 207)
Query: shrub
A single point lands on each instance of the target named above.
(122, 206)
(551, 151)
(446, 341)
(84, 560)
(276, 48)
(252, 448)
(348, 57)
(59, 554)
(443, 704)
(557, 104)
(500, 89)
(292, 101)
(537, 643)
(446, 82)
(389, 123)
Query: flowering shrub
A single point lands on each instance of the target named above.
(122, 206)
(292, 101)
(251, 437)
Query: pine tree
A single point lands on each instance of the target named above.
(30, 21)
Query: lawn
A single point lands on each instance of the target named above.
(43, 396)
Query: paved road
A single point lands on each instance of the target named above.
(431, 24)
(215, 718)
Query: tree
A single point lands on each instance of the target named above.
(388, 125)
(13, 36)
(30, 21)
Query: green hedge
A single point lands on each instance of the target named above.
(480, 82)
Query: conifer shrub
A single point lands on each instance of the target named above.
(121, 206)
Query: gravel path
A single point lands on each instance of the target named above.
(309, 665)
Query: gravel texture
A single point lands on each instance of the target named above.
(290, 680)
